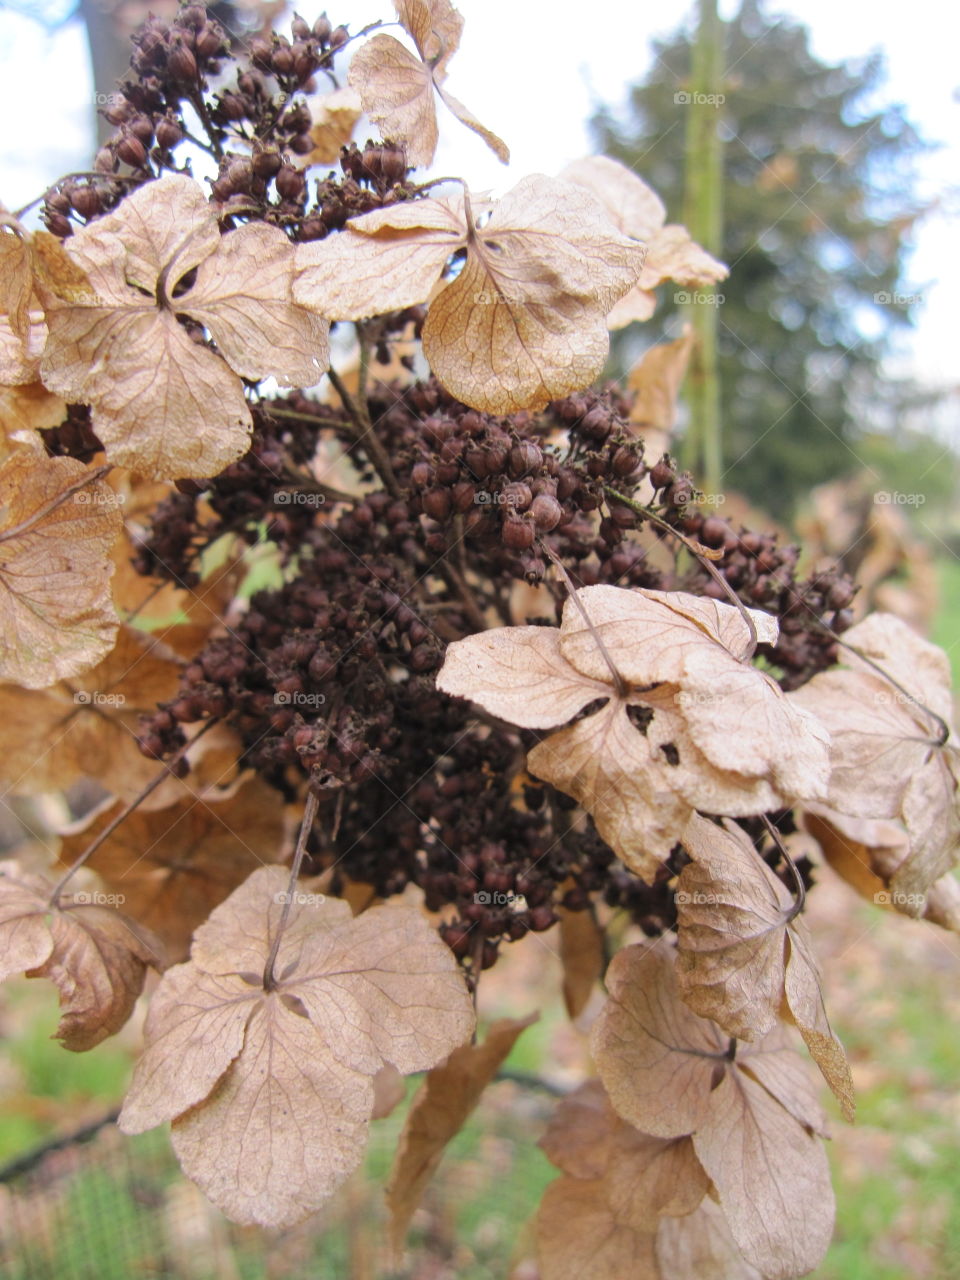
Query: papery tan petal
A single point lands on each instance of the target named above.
(634, 208)
(520, 675)
(334, 117)
(283, 1129)
(16, 281)
(438, 1112)
(578, 1237)
(466, 117)
(673, 255)
(772, 1178)
(436, 28)
(657, 379)
(582, 957)
(396, 90)
(242, 295)
(380, 262)
(524, 321)
(87, 725)
(56, 531)
(700, 1244)
(174, 865)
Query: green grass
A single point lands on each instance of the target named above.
(946, 625)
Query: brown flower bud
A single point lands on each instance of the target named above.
(517, 533)
(169, 134)
(87, 202)
(322, 29)
(339, 37)
(546, 511)
(299, 28)
(290, 183)
(132, 151)
(281, 61)
(266, 164)
(181, 64)
(302, 144)
(524, 457)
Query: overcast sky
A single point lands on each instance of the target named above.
(534, 72)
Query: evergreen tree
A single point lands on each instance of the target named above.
(818, 205)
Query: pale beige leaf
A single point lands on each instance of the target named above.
(436, 28)
(242, 296)
(383, 261)
(172, 866)
(740, 954)
(633, 207)
(582, 957)
(466, 117)
(578, 1237)
(389, 1091)
(672, 255)
(668, 1071)
(887, 757)
(334, 117)
(270, 1086)
(655, 1056)
(96, 957)
(772, 1178)
(28, 407)
(20, 357)
(396, 90)
(622, 779)
(283, 1128)
(440, 1109)
(524, 321)
(16, 281)
(55, 537)
(162, 403)
(700, 1245)
(87, 725)
(583, 1131)
(656, 380)
(520, 675)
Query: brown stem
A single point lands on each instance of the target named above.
(365, 435)
(618, 681)
(306, 826)
(168, 766)
(696, 550)
(801, 898)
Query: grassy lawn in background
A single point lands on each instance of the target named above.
(946, 625)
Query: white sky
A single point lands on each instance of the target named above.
(534, 72)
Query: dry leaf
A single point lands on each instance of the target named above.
(701, 1245)
(582, 957)
(637, 211)
(656, 379)
(162, 404)
(334, 116)
(96, 957)
(87, 725)
(867, 854)
(740, 955)
(56, 531)
(886, 755)
(523, 321)
(712, 732)
(753, 1117)
(16, 280)
(172, 866)
(438, 1113)
(396, 88)
(608, 1218)
(270, 1091)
